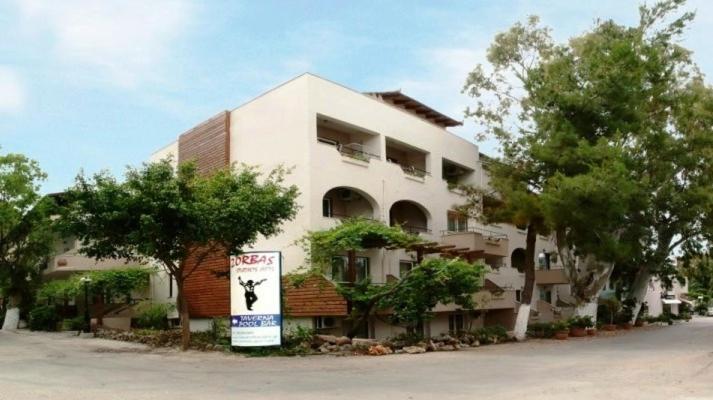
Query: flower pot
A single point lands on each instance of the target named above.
(609, 327)
(561, 335)
(591, 332)
(577, 331)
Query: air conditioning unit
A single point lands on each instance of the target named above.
(347, 195)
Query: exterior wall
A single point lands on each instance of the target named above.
(655, 293)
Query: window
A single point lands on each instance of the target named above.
(546, 295)
(339, 268)
(405, 266)
(455, 323)
(324, 322)
(518, 296)
(327, 207)
(457, 222)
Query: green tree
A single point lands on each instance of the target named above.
(25, 232)
(433, 281)
(166, 214)
(616, 125)
(409, 299)
(515, 181)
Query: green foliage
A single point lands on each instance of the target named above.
(541, 330)
(612, 130)
(165, 214)
(152, 315)
(434, 281)
(491, 334)
(219, 328)
(117, 281)
(44, 318)
(611, 307)
(353, 234)
(26, 235)
(560, 325)
(73, 324)
(579, 321)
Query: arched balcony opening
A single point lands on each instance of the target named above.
(348, 202)
(410, 216)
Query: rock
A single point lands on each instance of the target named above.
(346, 347)
(321, 339)
(379, 350)
(414, 350)
(431, 346)
(341, 341)
(446, 347)
(324, 348)
(357, 342)
(476, 343)
(399, 351)
(456, 346)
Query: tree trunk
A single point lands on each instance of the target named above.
(639, 289)
(523, 312)
(182, 304)
(12, 315)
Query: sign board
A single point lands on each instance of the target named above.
(255, 302)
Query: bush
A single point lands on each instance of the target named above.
(407, 338)
(73, 324)
(218, 329)
(540, 330)
(152, 315)
(44, 318)
(560, 325)
(701, 308)
(491, 334)
(582, 322)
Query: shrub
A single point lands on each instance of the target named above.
(152, 315)
(582, 322)
(218, 329)
(560, 325)
(407, 338)
(491, 334)
(540, 330)
(701, 308)
(44, 318)
(73, 324)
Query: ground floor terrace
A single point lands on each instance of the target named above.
(655, 362)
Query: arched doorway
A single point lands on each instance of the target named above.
(517, 259)
(410, 216)
(348, 202)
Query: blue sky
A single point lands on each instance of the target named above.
(101, 84)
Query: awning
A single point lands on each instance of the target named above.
(671, 301)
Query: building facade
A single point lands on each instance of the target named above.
(380, 155)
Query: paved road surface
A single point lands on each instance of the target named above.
(648, 363)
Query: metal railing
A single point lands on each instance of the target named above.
(485, 232)
(351, 150)
(415, 228)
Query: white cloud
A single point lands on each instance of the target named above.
(121, 41)
(12, 91)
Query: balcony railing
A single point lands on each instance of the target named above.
(485, 232)
(347, 216)
(351, 150)
(415, 228)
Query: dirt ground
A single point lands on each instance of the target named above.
(654, 362)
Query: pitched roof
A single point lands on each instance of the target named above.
(415, 107)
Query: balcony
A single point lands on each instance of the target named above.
(413, 162)
(346, 202)
(550, 277)
(410, 216)
(455, 175)
(492, 244)
(351, 142)
(66, 264)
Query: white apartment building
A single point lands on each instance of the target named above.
(378, 155)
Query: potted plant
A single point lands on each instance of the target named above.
(578, 325)
(612, 306)
(561, 329)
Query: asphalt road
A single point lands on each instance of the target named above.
(669, 363)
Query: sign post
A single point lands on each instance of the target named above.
(255, 301)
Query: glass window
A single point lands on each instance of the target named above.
(404, 267)
(339, 268)
(546, 295)
(455, 323)
(327, 207)
(457, 222)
